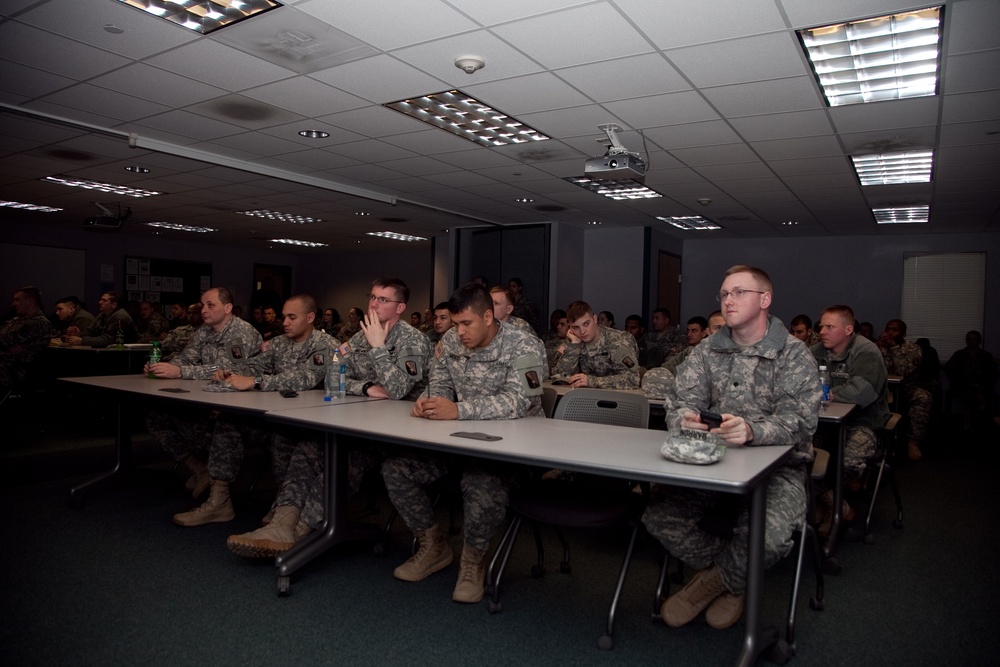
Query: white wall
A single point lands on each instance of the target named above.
(613, 277)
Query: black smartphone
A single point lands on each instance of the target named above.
(288, 393)
(175, 390)
(713, 419)
(477, 436)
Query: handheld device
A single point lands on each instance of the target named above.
(712, 419)
(477, 436)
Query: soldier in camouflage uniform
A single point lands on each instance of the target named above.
(294, 361)
(903, 358)
(485, 370)
(104, 330)
(503, 310)
(662, 341)
(595, 356)
(764, 384)
(178, 339)
(222, 342)
(387, 358)
(440, 323)
(557, 339)
(151, 325)
(22, 337)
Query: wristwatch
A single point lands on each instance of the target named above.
(366, 387)
(257, 381)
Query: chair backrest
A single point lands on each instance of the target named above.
(549, 399)
(604, 406)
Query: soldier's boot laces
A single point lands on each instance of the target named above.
(471, 574)
(217, 509)
(432, 555)
(275, 538)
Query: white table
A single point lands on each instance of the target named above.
(190, 392)
(607, 450)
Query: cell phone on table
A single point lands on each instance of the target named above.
(712, 419)
(175, 390)
(477, 436)
(288, 393)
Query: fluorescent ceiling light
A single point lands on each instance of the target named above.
(617, 190)
(884, 58)
(396, 237)
(203, 16)
(464, 115)
(28, 207)
(891, 168)
(181, 228)
(283, 217)
(101, 187)
(305, 244)
(689, 222)
(902, 214)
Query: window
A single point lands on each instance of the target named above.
(943, 298)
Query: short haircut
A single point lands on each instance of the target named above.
(225, 296)
(578, 309)
(760, 275)
(516, 281)
(357, 311)
(470, 295)
(636, 318)
(846, 313)
(699, 320)
(307, 300)
(114, 297)
(715, 313)
(441, 306)
(664, 311)
(506, 292)
(402, 291)
(70, 299)
(902, 325)
(149, 302)
(558, 314)
(608, 314)
(804, 319)
(33, 294)
(195, 307)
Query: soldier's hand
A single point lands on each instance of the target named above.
(73, 340)
(220, 375)
(734, 430)
(374, 330)
(578, 380)
(377, 391)
(691, 420)
(162, 369)
(572, 337)
(241, 382)
(436, 407)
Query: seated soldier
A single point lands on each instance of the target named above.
(112, 321)
(175, 341)
(903, 358)
(151, 324)
(594, 356)
(22, 337)
(70, 312)
(606, 319)
(972, 377)
(441, 322)
(503, 309)
(662, 342)
(802, 328)
(557, 339)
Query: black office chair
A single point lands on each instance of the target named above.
(782, 650)
(582, 501)
(883, 460)
(549, 399)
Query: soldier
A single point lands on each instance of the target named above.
(353, 324)
(440, 324)
(71, 313)
(595, 356)
(223, 341)
(801, 328)
(22, 337)
(524, 308)
(151, 325)
(503, 309)
(294, 361)
(178, 339)
(857, 375)
(105, 329)
(662, 342)
(558, 338)
(485, 370)
(776, 401)
(903, 358)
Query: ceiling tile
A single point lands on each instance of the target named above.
(306, 97)
(60, 55)
(219, 65)
(157, 85)
(890, 114)
(658, 110)
(972, 72)
(412, 22)
(625, 78)
(381, 79)
(778, 95)
(772, 56)
(683, 24)
(780, 125)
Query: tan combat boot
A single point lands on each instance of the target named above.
(681, 608)
(432, 555)
(726, 610)
(913, 451)
(276, 537)
(471, 574)
(200, 480)
(217, 509)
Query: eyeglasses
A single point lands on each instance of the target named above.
(736, 293)
(381, 300)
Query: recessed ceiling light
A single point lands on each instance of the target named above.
(314, 134)
(594, 222)
(882, 58)
(397, 237)
(362, 214)
(617, 190)
(304, 244)
(790, 223)
(282, 217)
(464, 115)
(890, 168)
(113, 29)
(137, 170)
(203, 16)
(524, 200)
(689, 222)
(902, 214)
(181, 228)
(28, 207)
(101, 187)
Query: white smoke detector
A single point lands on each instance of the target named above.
(470, 64)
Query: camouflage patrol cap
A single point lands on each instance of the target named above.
(691, 446)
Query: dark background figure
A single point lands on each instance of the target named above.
(972, 376)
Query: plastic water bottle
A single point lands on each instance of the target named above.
(155, 354)
(342, 391)
(328, 380)
(824, 380)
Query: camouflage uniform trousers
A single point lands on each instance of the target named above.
(919, 403)
(302, 486)
(231, 436)
(859, 446)
(485, 489)
(182, 432)
(673, 514)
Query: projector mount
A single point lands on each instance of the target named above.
(616, 147)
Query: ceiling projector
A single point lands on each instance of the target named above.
(618, 163)
(108, 222)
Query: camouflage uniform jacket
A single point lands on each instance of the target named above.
(104, 331)
(153, 329)
(20, 340)
(521, 324)
(290, 365)
(552, 346)
(177, 340)
(610, 362)
(660, 346)
(500, 381)
(773, 384)
(903, 360)
(209, 350)
(399, 366)
(857, 376)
